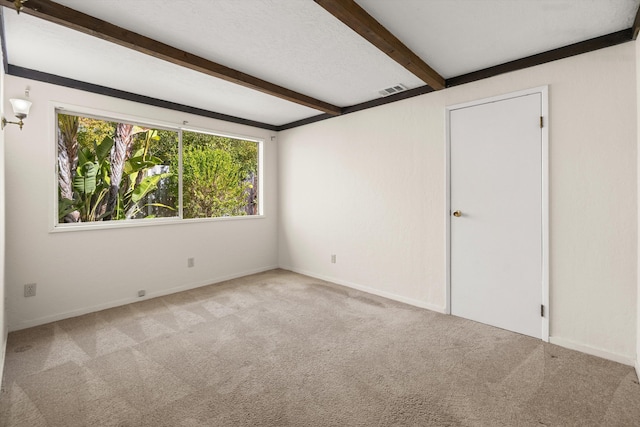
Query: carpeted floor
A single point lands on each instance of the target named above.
(281, 349)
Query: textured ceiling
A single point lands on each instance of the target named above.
(461, 36)
(43, 46)
(298, 45)
(292, 43)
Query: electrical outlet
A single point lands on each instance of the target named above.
(333, 259)
(30, 290)
(191, 262)
(142, 293)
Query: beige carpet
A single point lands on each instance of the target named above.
(280, 349)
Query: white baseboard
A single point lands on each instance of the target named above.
(85, 310)
(562, 342)
(583, 348)
(370, 290)
(605, 354)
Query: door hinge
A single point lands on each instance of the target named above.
(541, 122)
(541, 310)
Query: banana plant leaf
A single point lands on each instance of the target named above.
(141, 208)
(159, 205)
(136, 164)
(146, 186)
(85, 155)
(85, 180)
(66, 206)
(103, 149)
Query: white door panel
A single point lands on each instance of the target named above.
(496, 183)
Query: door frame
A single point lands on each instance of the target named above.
(544, 92)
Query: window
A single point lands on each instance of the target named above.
(111, 170)
(219, 176)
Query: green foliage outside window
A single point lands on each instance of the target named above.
(119, 171)
(219, 176)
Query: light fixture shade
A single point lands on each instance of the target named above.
(20, 107)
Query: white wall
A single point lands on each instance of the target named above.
(3, 311)
(370, 188)
(637, 43)
(81, 271)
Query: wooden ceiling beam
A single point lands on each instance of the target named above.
(636, 25)
(356, 18)
(71, 18)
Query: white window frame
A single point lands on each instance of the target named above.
(56, 227)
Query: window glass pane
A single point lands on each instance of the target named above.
(110, 170)
(219, 176)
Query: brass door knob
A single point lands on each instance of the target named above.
(457, 214)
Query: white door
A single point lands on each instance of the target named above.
(496, 241)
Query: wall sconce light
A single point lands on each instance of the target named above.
(20, 109)
(19, 5)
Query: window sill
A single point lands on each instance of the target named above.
(110, 225)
